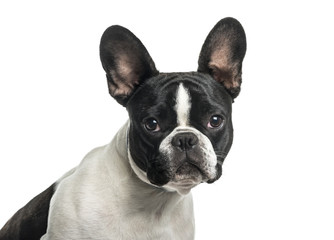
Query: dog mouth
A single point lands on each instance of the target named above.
(184, 171)
(188, 172)
(186, 177)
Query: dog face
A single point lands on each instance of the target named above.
(180, 129)
(180, 123)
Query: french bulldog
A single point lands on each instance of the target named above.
(178, 134)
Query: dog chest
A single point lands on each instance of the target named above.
(103, 199)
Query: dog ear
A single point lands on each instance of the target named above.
(222, 54)
(126, 62)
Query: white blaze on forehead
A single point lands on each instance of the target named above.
(182, 106)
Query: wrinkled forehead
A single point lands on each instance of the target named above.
(183, 93)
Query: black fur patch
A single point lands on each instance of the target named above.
(30, 222)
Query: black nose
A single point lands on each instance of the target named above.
(185, 141)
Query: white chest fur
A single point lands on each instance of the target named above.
(104, 199)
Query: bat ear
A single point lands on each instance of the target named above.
(222, 54)
(126, 62)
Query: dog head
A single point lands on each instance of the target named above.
(180, 123)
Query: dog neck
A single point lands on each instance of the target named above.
(141, 195)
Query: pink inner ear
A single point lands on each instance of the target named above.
(127, 68)
(119, 88)
(223, 70)
(125, 77)
(220, 57)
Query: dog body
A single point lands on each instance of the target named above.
(126, 209)
(178, 135)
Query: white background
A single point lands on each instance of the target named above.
(278, 179)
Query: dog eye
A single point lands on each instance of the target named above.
(216, 121)
(152, 125)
